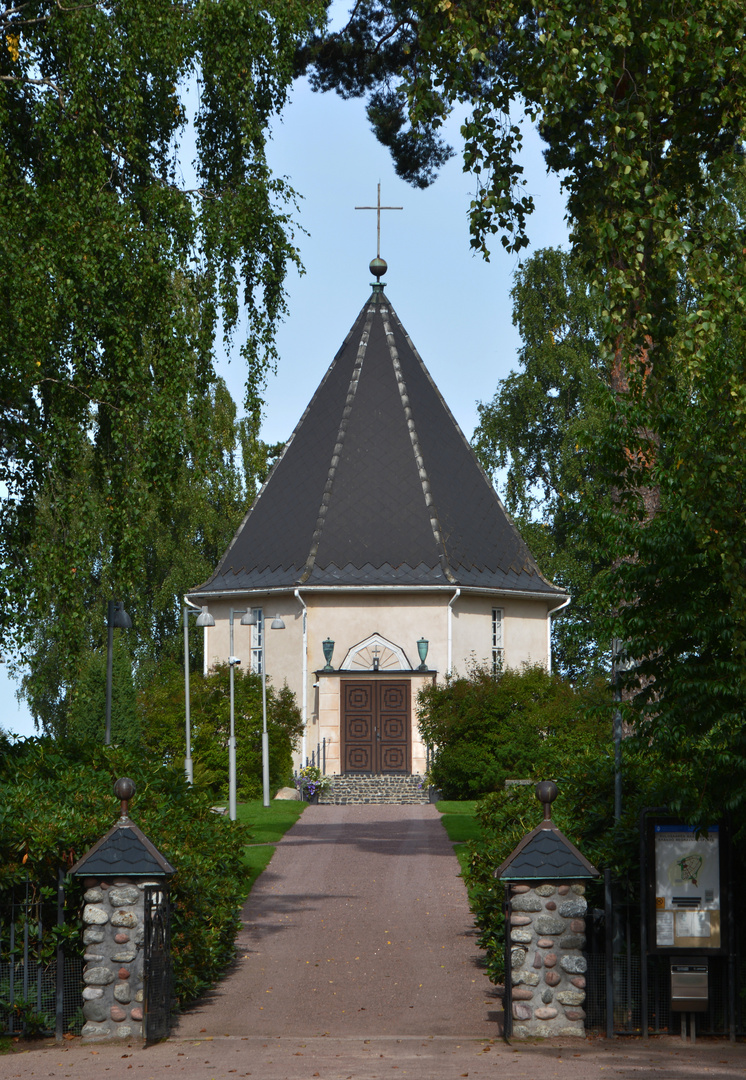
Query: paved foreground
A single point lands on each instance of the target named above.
(379, 1058)
(359, 926)
(358, 962)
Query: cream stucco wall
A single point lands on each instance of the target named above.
(400, 617)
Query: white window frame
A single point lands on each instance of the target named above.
(498, 640)
(257, 641)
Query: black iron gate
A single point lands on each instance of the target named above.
(157, 963)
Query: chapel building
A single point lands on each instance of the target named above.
(382, 546)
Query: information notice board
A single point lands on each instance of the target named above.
(685, 875)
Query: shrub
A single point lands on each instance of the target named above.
(486, 729)
(162, 724)
(56, 801)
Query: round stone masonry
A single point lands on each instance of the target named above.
(113, 932)
(547, 933)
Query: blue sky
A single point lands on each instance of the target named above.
(455, 306)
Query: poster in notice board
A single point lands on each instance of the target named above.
(686, 888)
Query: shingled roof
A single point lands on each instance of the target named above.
(545, 854)
(124, 851)
(377, 486)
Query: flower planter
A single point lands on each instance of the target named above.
(434, 794)
(312, 798)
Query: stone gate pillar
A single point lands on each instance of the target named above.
(115, 872)
(545, 925)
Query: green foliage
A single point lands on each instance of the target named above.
(118, 276)
(680, 605)
(540, 427)
(162, 711)
(56, 801)
(184, 527)
(87, 707)
(485, 730)
(377, 41)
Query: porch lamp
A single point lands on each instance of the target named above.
(328, 646)
(422, 646)
(204, 618)
(248, 618)
(115, 616)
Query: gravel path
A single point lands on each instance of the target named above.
(360, 925)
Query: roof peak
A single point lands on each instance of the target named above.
(378, 486)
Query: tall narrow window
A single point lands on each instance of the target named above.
(257, 641)
(498, 651)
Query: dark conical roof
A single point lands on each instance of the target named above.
(377, 486)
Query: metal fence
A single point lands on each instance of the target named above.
(615, 991)
(627, 997)
(318, 757)
(40, 987)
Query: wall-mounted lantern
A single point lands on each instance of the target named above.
(422, 646)
(328, 647)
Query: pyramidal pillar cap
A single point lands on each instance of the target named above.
(545, 854)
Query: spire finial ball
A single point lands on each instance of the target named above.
(378, 268)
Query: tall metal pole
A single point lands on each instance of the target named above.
(265, 735)
(188, 767)
(109, 651)
(232, 738)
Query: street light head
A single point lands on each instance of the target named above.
(249, 619)
(120, 618)
(205, 618)
(277, 623)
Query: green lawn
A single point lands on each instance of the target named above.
(459, 822)
(268, 824)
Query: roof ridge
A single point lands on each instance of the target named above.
(523, 546)
(416, 448)
(343, 425)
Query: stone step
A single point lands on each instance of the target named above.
(384, 788)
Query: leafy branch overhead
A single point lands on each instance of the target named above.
(120, 269)
(636, 103)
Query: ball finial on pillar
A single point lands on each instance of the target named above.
(124, 789)
(546, 793)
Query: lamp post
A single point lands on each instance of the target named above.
(115, 616)
(250, 619)
(203, 619)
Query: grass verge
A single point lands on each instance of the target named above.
(268, 824)
(459, 822)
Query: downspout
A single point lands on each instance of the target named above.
(550, 612)
(304, 666)
(451, 602)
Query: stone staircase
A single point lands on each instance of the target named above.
(394, 788)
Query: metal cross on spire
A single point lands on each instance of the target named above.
(378, 266)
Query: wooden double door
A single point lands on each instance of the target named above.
(375, 726)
